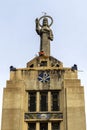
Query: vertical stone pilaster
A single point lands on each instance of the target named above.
(49, 126)
(61, 125)
(37, 126)
(26, 101)
(49, 101)
(38, 101)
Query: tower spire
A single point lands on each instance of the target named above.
(45, 33)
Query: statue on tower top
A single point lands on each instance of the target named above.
(45, 33)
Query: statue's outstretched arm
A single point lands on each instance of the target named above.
(37, 26)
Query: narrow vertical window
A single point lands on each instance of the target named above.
(56, 126)
(31, 126)
(44, 101)
(32, 101)
(43, 126)
(55, 101)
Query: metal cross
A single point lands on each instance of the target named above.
(44, 13)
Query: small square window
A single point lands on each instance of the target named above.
(43, 63)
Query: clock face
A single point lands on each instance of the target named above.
(44, 77)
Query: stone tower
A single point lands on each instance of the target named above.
(44, 95)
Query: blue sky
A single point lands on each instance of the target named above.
(19, 42)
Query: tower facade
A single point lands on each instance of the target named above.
(44, 95)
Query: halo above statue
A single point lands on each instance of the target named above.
(46, 16)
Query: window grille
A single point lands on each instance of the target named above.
(44, 101)
(32, 101)
(56, 126)
(55, 101)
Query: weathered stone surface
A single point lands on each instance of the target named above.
(75, 108)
